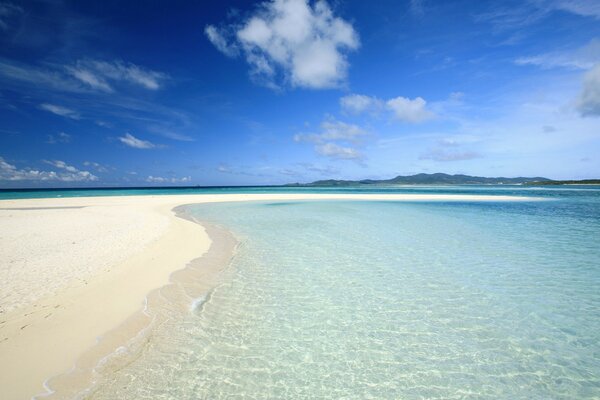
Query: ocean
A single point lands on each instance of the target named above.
(387, 300)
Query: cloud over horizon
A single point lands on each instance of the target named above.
(65, 173)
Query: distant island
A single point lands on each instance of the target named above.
(446, 179)
(570, 182)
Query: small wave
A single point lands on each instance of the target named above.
(198, 302)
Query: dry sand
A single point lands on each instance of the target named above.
(74, 269)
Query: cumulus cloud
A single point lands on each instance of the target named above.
(336, 151)
(97, 74)
(60, 110)
(291, 41)
(136, 143)
(160, 179)
(60, 137)
(359, 103)
(402, 108)
(332, 132)
(65, 173)
(408, 110)
(588, 103)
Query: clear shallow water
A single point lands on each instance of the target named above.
(544, 191)
(389, 300)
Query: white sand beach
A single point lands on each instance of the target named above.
(73, 269)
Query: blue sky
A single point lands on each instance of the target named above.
(118, 93)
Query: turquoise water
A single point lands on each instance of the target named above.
(389, 300)
(545, 191)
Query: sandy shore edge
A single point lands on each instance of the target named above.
(35, 346)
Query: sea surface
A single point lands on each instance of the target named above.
(389, 300)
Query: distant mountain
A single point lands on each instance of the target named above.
(573, 182)
(429, 179)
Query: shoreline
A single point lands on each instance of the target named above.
(36, 347)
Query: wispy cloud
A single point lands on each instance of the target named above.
(131, 141)
(582, 58)
(519, 15)
(332, 132)
(417, 8)
(291, 42)
(161, 179)
(334, 150)
(588, 103)
(82, 76)
(65, 173)
(170, 133)
(97, 166)
(60, 110)
(14, 74)
(60, 137)
(7, 11)
(96, 74)
(219, 41)
(446, 155)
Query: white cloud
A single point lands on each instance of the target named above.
(402, 108)
(134, 142)
(217, 39)
(359, 103)
(586, 8)
(510, 17)
(93, 80)
(97, 166)
(447, 155)
(60, 137)
(333, 131)
(408, 110)
(582, 58)
(60, 110)
(96, 74)
(170, 134)
(333, 150)
(290, 40)
(588, 103)
(160, 179)
(66, 173)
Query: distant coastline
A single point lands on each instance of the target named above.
(569, 182)
(445, 179)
